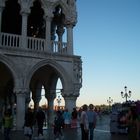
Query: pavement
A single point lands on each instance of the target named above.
(102, 132)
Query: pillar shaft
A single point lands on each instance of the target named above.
(70, 38)
(50, 118)
(70, 102)
(24, 30)
(20, 110)
(48, 34)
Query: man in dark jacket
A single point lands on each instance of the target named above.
(40, 118)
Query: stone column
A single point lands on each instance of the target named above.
(20, 109)
(70, 102)
(70, 39)
(48, 33)
(24, 29)
(50, 117)
(1, 9)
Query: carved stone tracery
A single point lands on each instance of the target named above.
(77, 69)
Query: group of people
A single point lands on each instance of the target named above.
(88, 119)
(133, 122)
(32, 118)
(63, 119)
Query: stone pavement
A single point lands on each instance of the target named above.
(101, 133)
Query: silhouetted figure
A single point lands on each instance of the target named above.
(133, 124)
(29, 122)
(84, 123)
(7, 123)
(41, 119)
(92, 118)
(58, 125)
(74, 116)
(67, 118)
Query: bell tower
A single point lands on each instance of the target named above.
(36, 50)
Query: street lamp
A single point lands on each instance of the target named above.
(126, 94)
(110, 101)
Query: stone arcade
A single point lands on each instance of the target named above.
(36, 49)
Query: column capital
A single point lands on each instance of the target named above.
(69, 26)
(25, 6)
(25, 11)
(70, 96)
(21, 91)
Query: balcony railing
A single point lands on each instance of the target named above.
(34, 44)
(9, 40)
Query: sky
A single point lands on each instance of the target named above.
(107, 37)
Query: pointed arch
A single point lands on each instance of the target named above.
(11, 67)
(12, 9)
(62, 73)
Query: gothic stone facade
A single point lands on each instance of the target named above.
(36, 49)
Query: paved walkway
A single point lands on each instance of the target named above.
(101, 133)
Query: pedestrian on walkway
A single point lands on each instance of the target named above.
(28, 124)
(58, 125)
(74, 115)
(67, 118)
(133, 125)
(138, 114)
(84, 123)
(40, 119)
(92, 119)
(7, 123)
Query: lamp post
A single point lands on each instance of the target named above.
(110, 101)
(126, 94)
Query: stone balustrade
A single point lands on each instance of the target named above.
(34, 44)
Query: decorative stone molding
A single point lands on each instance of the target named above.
(21, 91)
(69, 94)
(71, 17)
(77, 87)
(77, 69)
(25, 6)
